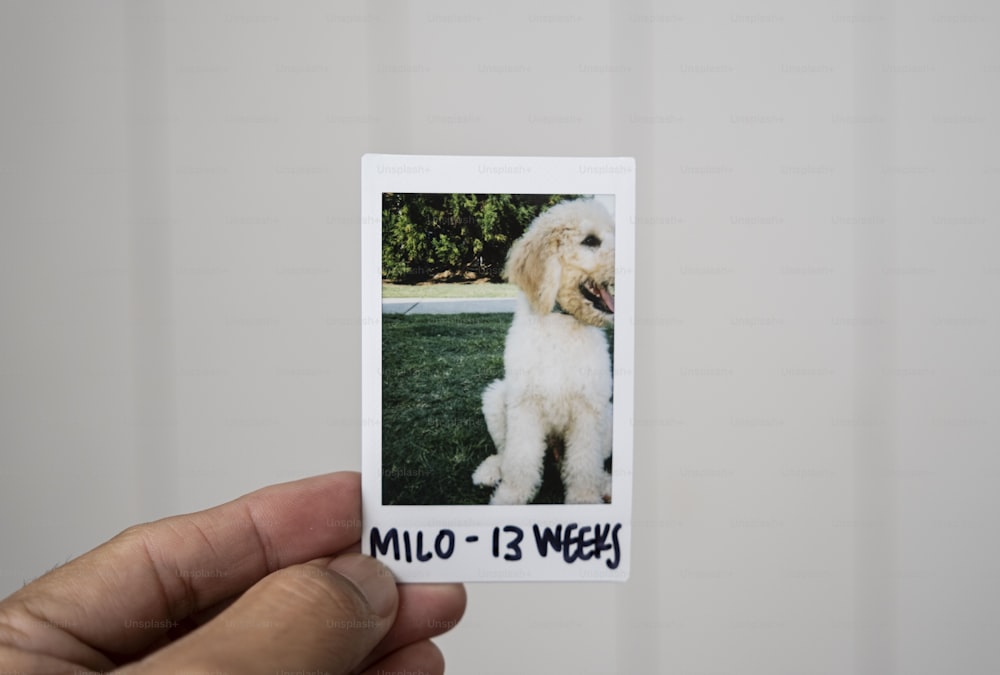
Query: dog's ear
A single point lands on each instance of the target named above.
(533, 265)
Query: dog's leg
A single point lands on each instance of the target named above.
(521, 460)
(583, 473)
(607, 428)
(495, 413)
(607, 440)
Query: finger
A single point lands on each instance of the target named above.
(323, 616)
(202, 616)
(16, 661)
(126, 594)
(205, 615)
(420, 657)
(425, 610)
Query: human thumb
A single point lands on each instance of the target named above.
(323, 616)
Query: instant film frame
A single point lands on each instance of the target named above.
(430, 542)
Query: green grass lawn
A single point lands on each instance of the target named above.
(434, 369)
(449, 290)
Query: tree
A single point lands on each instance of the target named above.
(425, 235)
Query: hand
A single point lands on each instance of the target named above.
(247, 587)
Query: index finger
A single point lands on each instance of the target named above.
(127, 593)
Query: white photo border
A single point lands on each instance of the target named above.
(486, 542)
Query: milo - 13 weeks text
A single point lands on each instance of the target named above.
(574, 542)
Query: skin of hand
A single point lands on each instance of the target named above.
(266, 583)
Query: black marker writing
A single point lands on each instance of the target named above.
(444, 545)
(571, 541)
(575, 543)
(513, 546)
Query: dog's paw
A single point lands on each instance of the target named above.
(596, 491)
(606, 488)
(488, 473)
(584, 497)
(508, 496)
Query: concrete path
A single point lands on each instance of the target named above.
(447, 305)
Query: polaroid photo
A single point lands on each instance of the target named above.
(498, 316)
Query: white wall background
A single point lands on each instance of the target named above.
(819, 295)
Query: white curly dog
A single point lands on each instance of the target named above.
(557, 382)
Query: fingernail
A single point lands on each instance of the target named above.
(372, 578)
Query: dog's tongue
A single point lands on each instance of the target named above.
(607, 297)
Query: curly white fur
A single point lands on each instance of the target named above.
(557, 372)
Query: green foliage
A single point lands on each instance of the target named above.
(424, 235)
